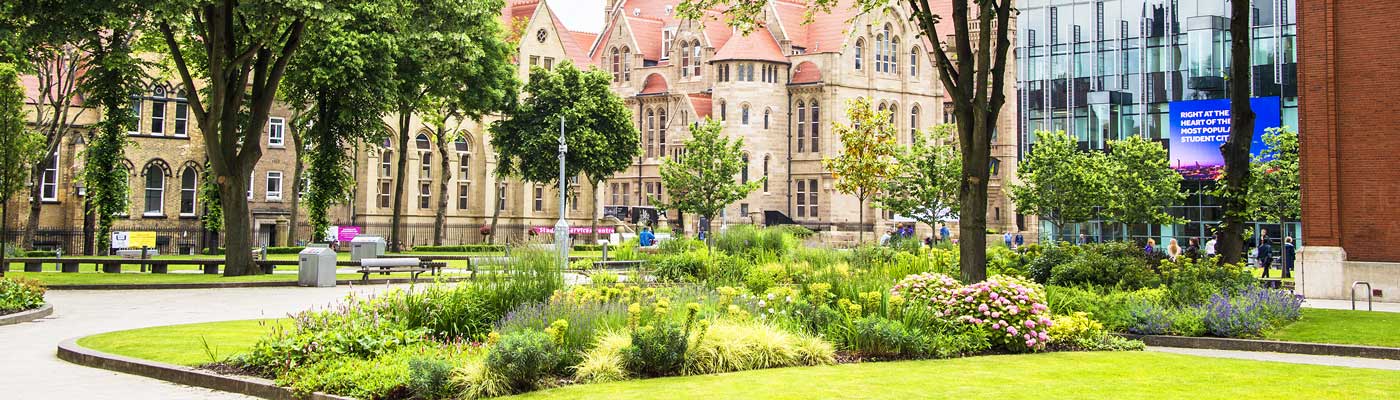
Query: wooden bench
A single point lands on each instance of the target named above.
(385, 266)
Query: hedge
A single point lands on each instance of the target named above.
(270, 250)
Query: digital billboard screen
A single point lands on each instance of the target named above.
(1199, 127)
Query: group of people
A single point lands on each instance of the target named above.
(906, 231)
(1263, 252)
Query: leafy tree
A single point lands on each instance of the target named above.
(18, 148)
(972, 70)
(445, 126)
(238, 51)
(924, 183)
(105, 172)
(340, 77)
(867, 158)
(597, 127)
(1060, 183)
(447, 49)
(1274, 190)
(702, 181)
(1141, 183)
(1234, 193)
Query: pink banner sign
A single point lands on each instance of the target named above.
(347, 233)
(581, 230)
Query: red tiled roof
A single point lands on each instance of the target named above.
(791, 15)
(584, 40)
(806, 72)
(701, 103)
(646, 19)
(655, 84)
(517, 9)
(647, 33)
(827, 31)
(758, 45)
(32, 91)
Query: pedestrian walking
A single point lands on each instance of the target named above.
(1265, 254)
(1193, 248)
(1020, 240)
(1006, 237)
(1151, 247)
(1288, 257)
(945, 233)
(1210, 247)
(1173, 250)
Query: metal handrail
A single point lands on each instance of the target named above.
(1368, 294)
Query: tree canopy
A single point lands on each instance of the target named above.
(924, 182)
(1141, 183)
(867, 157)
(1274, 190)
(1058, 182)
(704, 179)
(597, 127)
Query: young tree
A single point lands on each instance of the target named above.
(19, 147)
(449, 49)
(1234, 193)
(1141, 183)
(973, 76)
(924, 184)
(1060, 183)
(703, 180)
(867, 157)
(238, 51)
(105, 173)
(340, 78)
(57, 63)
(446, 127)
(597, 127)
(1274, 190)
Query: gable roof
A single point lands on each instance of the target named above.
(576, 52)
(827, 32)
(701, 103)
(758, 45)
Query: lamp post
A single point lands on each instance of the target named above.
(561, 228)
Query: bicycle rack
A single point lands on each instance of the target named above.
(1368, 294)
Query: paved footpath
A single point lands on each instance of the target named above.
(1352, 362)
(1346, 305)
(30, 370)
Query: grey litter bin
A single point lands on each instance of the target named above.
(316, 267)
(362, 247)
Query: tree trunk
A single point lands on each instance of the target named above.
(440, 220)
(238, 233)
(297, 170)
(396, 223)
(4, 234)
(36, 204)
(594, 186)
(495, 198)
(1236, 148)
(860, 237)
(972, 193)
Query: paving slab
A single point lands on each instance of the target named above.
(1335, 361)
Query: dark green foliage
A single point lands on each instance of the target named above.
(1192, 282)
(466, 248)
(657, 350)
(523, 358)
(746, 239)
(1039, 269)
(40, 253)
(1095, 269)
(429, 378)
(270, 250)
(681, 267)
(797, 231)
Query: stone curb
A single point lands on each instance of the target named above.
(70, 351)
(1272, 346)
(215, 285)
(27, 315)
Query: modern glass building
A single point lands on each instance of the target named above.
(1106, 69)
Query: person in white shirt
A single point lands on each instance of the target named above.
(1210, 247)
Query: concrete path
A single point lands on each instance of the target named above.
(29, 369)
(1346, 305)
(1352, 362)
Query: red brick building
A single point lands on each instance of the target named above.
(1349, 116)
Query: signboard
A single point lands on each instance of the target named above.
(346, 233)
(133, 239)
(1198, 127)
(574, 230)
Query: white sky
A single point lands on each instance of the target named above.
(580, 15)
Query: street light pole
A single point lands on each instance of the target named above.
(561, 228)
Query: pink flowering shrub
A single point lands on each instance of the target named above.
(1011, 309)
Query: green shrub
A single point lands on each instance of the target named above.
(19, 294)
(747, 239)
(1078, 331)
(387, 375)
(40, 253)
(729, 346)
(1192, 282)
(465, 248)
(1040, 268)
(1092, 268)
(656, 350)
(270, 250)
(679, 245)
(603, 278)
(683, 267)
(523, 358)
(1004, 261)
(429, 378)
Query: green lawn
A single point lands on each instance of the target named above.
(1343, 327)
(182, 344)
(1121, 375)
(1099, 375)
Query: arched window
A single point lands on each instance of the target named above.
(723, 111)
(744, 174)
(744, 114)
(914, 62)
(767, 113)
(913, 123)
(155, 190)
(616, 65)
(695, 57)
(892, 55)
(650, 140)
(816, 120)
(189, 188)
(626, 64)
(894, 112)
(685, 58)
(425, 157)
(422, 142)
(880, 52)
(766, 160)
(801, 126)
(661, 132)
(464, 158)
(860, 53)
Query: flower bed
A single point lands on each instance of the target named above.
(19, 294)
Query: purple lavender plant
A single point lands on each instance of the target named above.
(1251, 312)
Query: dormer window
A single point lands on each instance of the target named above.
(668, 35)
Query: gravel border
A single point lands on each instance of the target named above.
(1272, 346)
(27, 315)
(70, 351)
